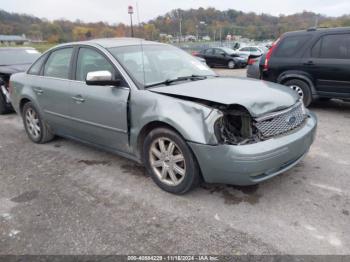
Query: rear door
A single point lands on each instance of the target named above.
(220, 57)
(209, 56)
(99, 112)
(287, 56)
(52, 86)
(329, 64)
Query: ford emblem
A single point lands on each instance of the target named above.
(292, 120)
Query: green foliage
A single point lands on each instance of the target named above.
(199, 21)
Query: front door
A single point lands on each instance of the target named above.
(99, 112)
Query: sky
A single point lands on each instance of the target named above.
(115, 11)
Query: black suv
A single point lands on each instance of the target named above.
(314, 62)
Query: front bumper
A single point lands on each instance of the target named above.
(252, 164)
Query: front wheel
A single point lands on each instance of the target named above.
(231, 64)
(170, 162)
(36, 129)
(302, 89)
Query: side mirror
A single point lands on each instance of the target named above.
(101, 78)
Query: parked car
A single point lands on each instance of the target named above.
(13, 60)
(251, 51)
(158, 105)
(222, 56)
(253, 68)
(314, 62)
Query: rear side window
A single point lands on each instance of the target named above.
(332, 46)
(209, 51)
(36, 67)
(291, 45)
(58, 63)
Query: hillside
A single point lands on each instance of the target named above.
(200, 21)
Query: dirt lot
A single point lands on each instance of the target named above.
(67, 198)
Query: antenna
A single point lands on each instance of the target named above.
(141, 43)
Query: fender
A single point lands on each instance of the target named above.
(193, 121)
(294, 74)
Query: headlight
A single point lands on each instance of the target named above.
(303, 108)
(236, 127)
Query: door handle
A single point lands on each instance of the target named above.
(39, 91)
(78, 99)
(309, 63)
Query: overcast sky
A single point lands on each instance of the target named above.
(115, 11)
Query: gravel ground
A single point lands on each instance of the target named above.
(68, 198)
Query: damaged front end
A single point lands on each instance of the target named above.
(237, 127)
(4, 88)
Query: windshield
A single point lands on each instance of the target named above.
(18, 56)
(158, 63)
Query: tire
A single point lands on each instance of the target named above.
(158, 164)
(300, 85)
(4, 107)
(231, 64)
(44, 134)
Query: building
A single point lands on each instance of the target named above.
(13, 39)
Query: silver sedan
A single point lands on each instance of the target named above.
(159, 106)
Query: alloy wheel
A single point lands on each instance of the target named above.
(167, 161)
(32, 122)
(231, 64)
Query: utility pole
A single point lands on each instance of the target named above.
(180, 24)
(130, 12)
(220, 34)
(316, 21)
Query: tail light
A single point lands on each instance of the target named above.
(251, 61)
(195, 53)
(269, 54)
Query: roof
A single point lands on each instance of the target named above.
(320, 30)
(115, 42)
(12, 38)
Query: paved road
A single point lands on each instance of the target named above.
(231, 72)
(67, 198)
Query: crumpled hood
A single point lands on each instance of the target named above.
(258, 97)
(11, 69)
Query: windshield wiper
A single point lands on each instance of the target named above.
(178, 79)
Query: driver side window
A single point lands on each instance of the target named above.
(91, 61)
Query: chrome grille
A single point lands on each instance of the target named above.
(281, 122)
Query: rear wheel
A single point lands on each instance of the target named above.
(36, 129)
(231, 64)
(302, 89)
(170, 162)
